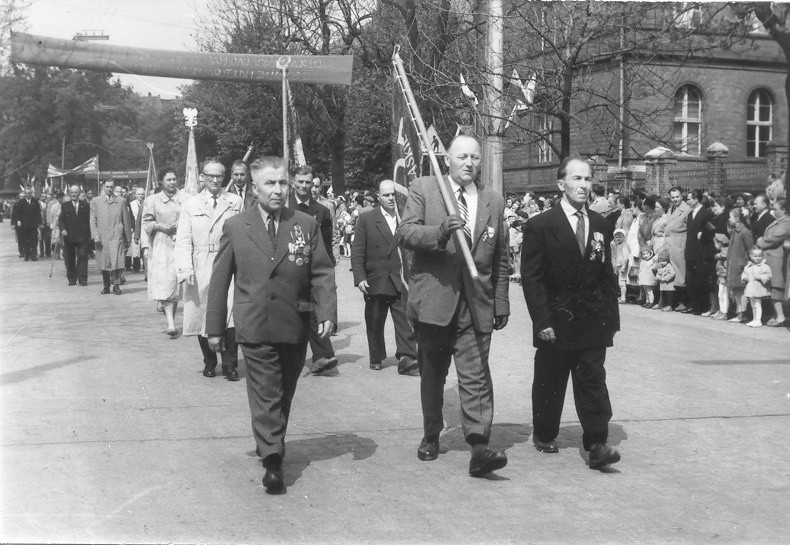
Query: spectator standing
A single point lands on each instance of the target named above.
(741, 241)
(647, 278)
(698, 245)
(675, 232)
(649, 217)
(772, 243)
(665, 274)
(658, 237)
(757, 277)
(762, 216)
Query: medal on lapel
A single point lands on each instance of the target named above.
(488, 234)
(298, 249)
(597, 253)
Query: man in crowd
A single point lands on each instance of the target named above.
(301, 198)
(160, 223)
(26, 218)
(675, 233)
(699, 243)
(197, 242)
(136, 208)
(75, 229)
(111, 230)
(571, 293)
(600, 203)
(45, 241)
(241, 185)
(15, 207)
(378, 270)
(762, 216)
(279, 263)
(454, 315)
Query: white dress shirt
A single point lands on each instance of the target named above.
(570, 213)
(391, 219)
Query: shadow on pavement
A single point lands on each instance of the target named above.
(35, 372)
(301, 453)
(740, 362)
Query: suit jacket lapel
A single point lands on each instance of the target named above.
(217, 212)
(563, 232)
(482, 217)
(384, 228)
(256, 230)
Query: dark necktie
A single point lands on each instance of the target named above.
(463, 211)
(215, 201)
(580, 236)
(272, 231)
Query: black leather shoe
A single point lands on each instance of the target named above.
(375, 365)
(116, 289)
(230, 373)
(602, 455)
(428, 449)
(273, 480)
(106, 290)
(486, 460)
(409, 367)
(209, 372)
(324, 364)
(549, 447)
(72, 282)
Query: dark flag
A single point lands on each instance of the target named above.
(406, 150)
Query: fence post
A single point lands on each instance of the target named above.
(659, 163)
(717, 173)
(777, 158)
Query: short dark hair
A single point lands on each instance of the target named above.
(697, 194)
(650, 202)
(675, 188)
(208, 161)
(239, 163)
(625, 201)
(165, 171)
(599, 190)
(562, 169)
(303, 169)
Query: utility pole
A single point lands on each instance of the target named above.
(495, 130)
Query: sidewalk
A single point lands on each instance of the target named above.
(111, 434)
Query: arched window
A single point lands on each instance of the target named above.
(759, 123)
(688, 120)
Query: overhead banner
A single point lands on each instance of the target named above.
(101, 57)
(91, 166)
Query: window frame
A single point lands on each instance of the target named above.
(682, 141)
(757, 124)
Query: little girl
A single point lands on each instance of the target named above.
(722, 243)
(647, 278)
(621, 253)
(756, 275)
(665, 274)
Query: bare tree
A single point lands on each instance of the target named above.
(12, 17)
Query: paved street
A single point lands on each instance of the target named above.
(111, 434)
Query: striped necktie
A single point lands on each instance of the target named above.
(581, 237)
(463, 211)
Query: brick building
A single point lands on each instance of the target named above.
(715, 120)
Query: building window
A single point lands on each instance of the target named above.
(688, 120)
(545, 129)
(759, 121)
(687, 15)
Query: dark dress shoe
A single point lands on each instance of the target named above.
(106, 290)
(602, 455)
(83, 282)
(230, 373)
(116, 289)
(209, 372)
(428, 449)
(485, 460)
(375, 365)
(72, 282)
(273, 480)
(549, 447)
(324, 364)
(409, 367)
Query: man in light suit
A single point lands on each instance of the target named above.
(282, 272)
(378, 270)
(571, 293)
(454, 315)
(675, 233)
(75, 228)
(241, 185)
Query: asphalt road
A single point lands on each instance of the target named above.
(111, 434)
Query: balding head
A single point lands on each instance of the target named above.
(387, 195)
(463, 159)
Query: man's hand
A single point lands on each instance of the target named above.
(500, 322)
(190, 280)
(63, 233)
(325, 329)
(364, 287)
(450, 224)
(216, 344)
(547, 335)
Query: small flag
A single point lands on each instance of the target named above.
(296, 150)
(467, 91)
(150, 180)
(191, 180)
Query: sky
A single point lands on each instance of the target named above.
(155, 24)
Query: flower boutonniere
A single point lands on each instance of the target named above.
(597, 251)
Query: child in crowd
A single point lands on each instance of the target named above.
(722, 243)
(665, 274)
(647, 278)
(515, 237)
(620, 255)
(757, 277)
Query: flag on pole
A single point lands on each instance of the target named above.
(150, 180)
(467, 91)
(406, 150)
(295, 147)
(191, 180)
(527, 90)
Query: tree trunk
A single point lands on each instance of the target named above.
(565, 114)
(337, 147)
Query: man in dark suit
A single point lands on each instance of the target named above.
(281, 270)
(26, 219)
(17, 204)
(301, 198)
(699, 246)
(571, 293)
(241, 185)
(762, 217)
(75, 228)
(454, 315)
(378, 270)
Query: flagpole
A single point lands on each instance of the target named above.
(98, 176)
(449, 201)
(282, 64)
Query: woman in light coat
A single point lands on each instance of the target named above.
(772, 243)
(197, 241)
